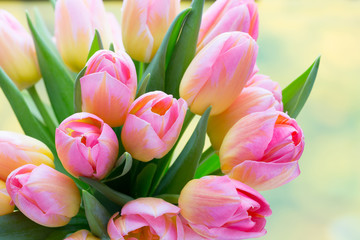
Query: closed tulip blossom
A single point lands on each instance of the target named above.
(82, 235)
(86, 145)
(109, 86)
(6, 206)
(17, 150)
(146, 218)
(262, 150)
(218, 73)
(227, 16)
(144, 25)
(44, 195)
(251, 99)
(217, 207)
(17, 52)
(75, 24)
(153, 125)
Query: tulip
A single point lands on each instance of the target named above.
(146, 218)
(116, 32)
(43, 194)
(227, 16)
(221, 208)
(109, 86)
(263, 81)
(251, 99)
(219, 72)
(86, 145)
(144, 25)
(17, 52)
(17, 150)
(75, 24)
(82, 235)
(262, 150)
(153, 125)
(6, 206)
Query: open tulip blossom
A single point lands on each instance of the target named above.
(118, 153)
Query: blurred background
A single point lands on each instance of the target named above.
(323, 203)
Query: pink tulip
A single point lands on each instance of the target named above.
(6, 206)
(116, 32)
(262, 150)
(251, 99)
(17, 150)
(227, 16)
(75, 24)
(144, 25)
(17, 52)
(218, 73)
(146, 218)
(82, 235)
(86, 145)
(221, 208)
(263, 81)
(43, 194)
(153, 125)
(109, 86)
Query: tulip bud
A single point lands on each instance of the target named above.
(17, 52)
(144, 25)
(75, 24)
(218, 73)
(227, 16)
(153, 125)
(17, 150)
(263, 81)
(6, 206)
(44, 195)
(116, 32)
(146, 218)
(86, 145)
(221, 208)
(251, 99)
(82, 235)
(109, 86)
(262, 150)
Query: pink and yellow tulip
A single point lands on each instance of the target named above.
(6, 206)
(153, 125)
(146, 218)
(262, 150)
(221, 208)
(116, 32)
(43, 194)
(227, 16)
(109, 86)
(86, 145)
(17, 52)
(144, 25)
(17, 150)
(82, 235)
(218, 73)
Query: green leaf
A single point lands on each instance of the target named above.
(185, 49)
(77, 91)
(28, 122)
(114, 196)
(53, 3)
(96, 44)
(144, 179)
(296, 94)
(142, 89)
(184, 167)
(112, 47)
(157, 67)
(58, 82)
(122, 167)
(17, 226)
(96, 215)
(208, 166)
(171, 198)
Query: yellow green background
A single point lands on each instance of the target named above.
(323, 203)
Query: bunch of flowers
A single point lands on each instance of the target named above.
(100, 161)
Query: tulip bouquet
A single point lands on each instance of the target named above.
(99, 161)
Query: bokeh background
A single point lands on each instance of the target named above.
(323, 203)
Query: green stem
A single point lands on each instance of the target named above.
(207, 154)
(50, 124)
